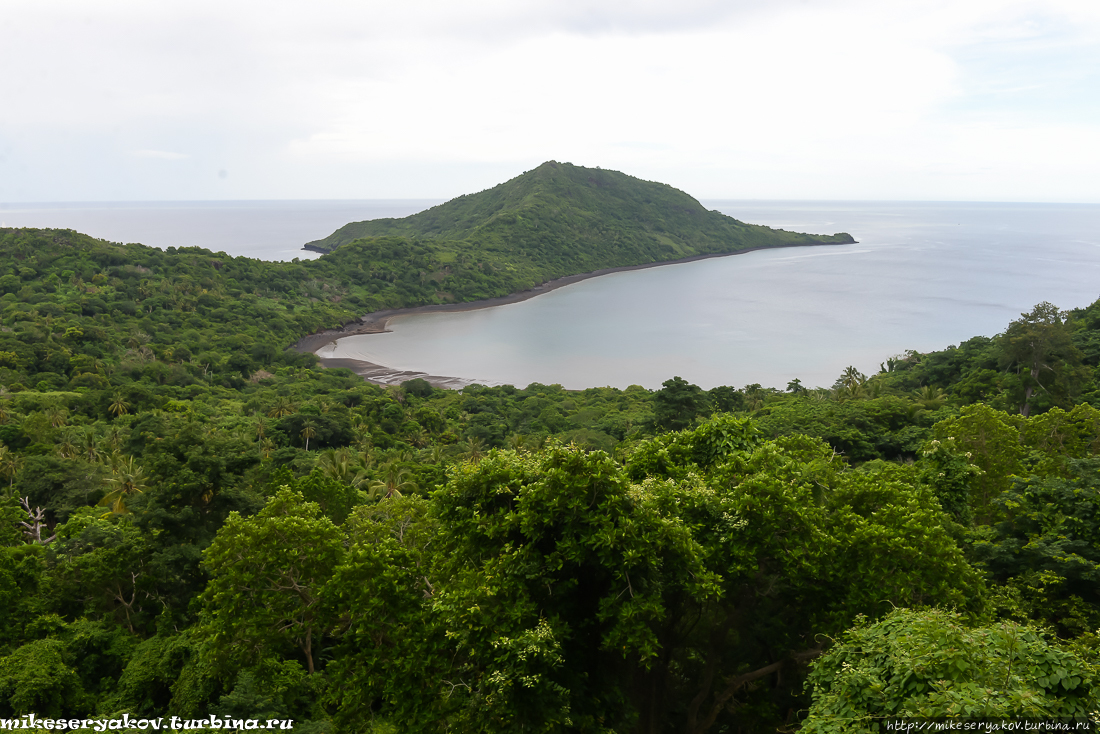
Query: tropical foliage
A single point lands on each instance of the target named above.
(195, 520)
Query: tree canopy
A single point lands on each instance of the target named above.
(196, 520)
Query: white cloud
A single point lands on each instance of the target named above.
(835, 99)
(159, 154)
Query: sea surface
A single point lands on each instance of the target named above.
(265, 230)
(923, 276)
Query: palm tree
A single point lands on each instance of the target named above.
(57, 416)
(394, 480)
(475, 447)
(308, 432)
(851, 385)
(114, 437)
(851, 376)
(112, 459)
(89, 445)
(755, 396)
(127, 479)
(10, 465)
(419, 438)
(67, 449)
(435, 454)
(363, 435)
(119, 407)
(337, 464)
(334, 463)
(137, 340)
(930, 397)
(282, 407)
(847, 392)
(366, 457)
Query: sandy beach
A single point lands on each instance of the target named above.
(376, 322)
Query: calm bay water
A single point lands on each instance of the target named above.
(923, 276)
(265, 230)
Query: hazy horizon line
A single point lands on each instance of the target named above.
(440, 200)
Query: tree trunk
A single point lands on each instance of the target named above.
(1025, 409)
(735, 683)
(307, 648)
(650, 693)
(714, 660)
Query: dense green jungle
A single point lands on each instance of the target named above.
(199, 522)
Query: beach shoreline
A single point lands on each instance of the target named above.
(376, 322)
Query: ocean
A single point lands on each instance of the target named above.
(923, 276)
(264, 230)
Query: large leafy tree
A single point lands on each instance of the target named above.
(543, 598)
(39, 677)
(990, 440)
(564, 591)
(1052, 535)
(1058, 435)
(560, 575)
(99, 566)
(267, 571)
(678, 403)
(801, 545)
(931, 664)
(1038, 348)
(392, 652)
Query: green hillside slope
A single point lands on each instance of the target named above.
(167, 460)
(560, 219)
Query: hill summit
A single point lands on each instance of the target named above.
(578, 219)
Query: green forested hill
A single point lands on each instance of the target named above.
(560, 219)
(198, 523)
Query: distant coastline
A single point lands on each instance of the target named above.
(376, 322)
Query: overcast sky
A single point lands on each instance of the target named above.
(795, 99)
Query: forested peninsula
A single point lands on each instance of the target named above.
(554, 221)
(199, 523)
(547, 228)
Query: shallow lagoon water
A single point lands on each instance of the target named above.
(923, 276)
